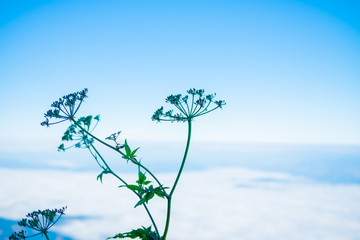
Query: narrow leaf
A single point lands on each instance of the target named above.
(142, 201)
(100, 177)
(132, 154)
(134, 187)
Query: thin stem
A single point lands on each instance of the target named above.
(152, 220)
(193, 112)
(204, 110)
(34, 235)
(184, 159)
(53, 223)
(108, 168)
(78, 107)
(57, 122)
(167, 219)
(202, 113)
(176, 182)
(187, 106)
(46, 236)
(64, 108)
(94, 126)
(181, 108)
(192, 103)
(117, 150)
(153, 176)
(114, 174)
(96, 159)
(97, 139)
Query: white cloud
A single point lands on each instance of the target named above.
(221, 203)
(67, 164)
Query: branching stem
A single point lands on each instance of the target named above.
(115, 175)
(117, 150)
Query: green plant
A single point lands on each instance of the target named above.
(188, 107)
(39, 221)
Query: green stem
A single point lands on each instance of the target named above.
(115, 175)
(106, 165)
(97, 139)
(167, 219)
(184, 159)
(153, 176)
(117, 150)
(202, 113)
(46, 236)
(176, 182)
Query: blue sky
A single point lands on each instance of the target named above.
(289, 70)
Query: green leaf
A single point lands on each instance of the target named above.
(149, 196)
(132, 154)
(119, 235)
(147, 182)
(159, 192)
(142, 233)
(142, 201)
(142, 178)
(127, 149)
(134, 187)
(101, 175)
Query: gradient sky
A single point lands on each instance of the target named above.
(289, 70)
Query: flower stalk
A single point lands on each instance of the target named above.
(188, 107)
(39, 221)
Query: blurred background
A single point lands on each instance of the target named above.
(288, 70)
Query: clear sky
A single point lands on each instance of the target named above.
(289, 70)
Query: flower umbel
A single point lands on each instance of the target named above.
(113, 137)
(74, 133)
(194, 104)
(65, 108)
(190, 106)
(40, 221)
